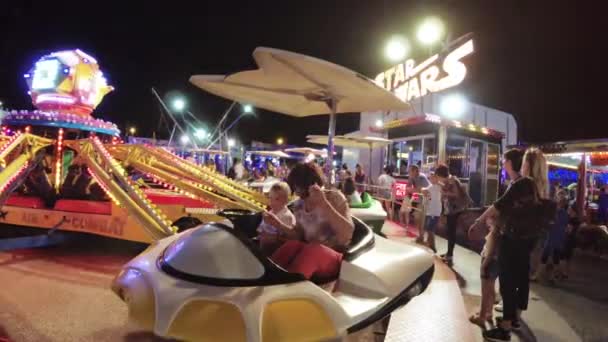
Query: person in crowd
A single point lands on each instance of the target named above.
(350, 191)
(360, 178)
(385, 183)
(269, 235)
(211, 164)
(569, 243)
(511, 163)
(416, 181)
(342, 173)
(456, 201)
(555, 240)
(432, 196)
(405, 211)
(324, 227)
(68, 190)
(602, 211)
(38, 184)
(522, 212)
(232, 170)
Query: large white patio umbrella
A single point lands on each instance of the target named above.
(300, 85)
(307, 150)
(352, 141)
(274, 154)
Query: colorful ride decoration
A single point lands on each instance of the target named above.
(67, 82)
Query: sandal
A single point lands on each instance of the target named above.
(480, 322)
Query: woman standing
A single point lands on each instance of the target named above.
(359, 178)
(456, 201)
(523, 213)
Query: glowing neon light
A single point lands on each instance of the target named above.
(46, 98)
(45, 74)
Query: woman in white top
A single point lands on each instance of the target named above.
(350, 191)
(385, 182)
(323, 230)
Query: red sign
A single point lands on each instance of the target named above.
(399, 189)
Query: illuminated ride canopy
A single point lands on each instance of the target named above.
(67, 82)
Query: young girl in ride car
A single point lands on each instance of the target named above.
(269, 234)
(323, 228)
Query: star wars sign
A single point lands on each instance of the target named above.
(409, 81)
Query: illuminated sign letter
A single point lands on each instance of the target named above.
(380, 80)
(389, 77)
(427, 80)
(401, 92)
(455, 69)
(45, 74)
(413, 90)
(399, 75)
(409, 68)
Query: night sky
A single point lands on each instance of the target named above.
(540, 60)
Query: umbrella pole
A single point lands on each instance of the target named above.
(333, 104)
(369, 175)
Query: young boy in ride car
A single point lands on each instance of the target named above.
(268, 234)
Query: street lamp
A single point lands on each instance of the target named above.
(132, 130)
(200, 134)
(453, 106)
(430, 31)
(397, 48)
(184, 139)
(179, 104)
(280, 141)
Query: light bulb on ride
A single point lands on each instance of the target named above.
(231, 142)
(247, 108)
(379, 123)
(430, 31)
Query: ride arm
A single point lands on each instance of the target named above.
(118, 185)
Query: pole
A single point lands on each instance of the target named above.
(333, 104)
(369, 176)
(219, 124)
(175, 122)
(171, 137)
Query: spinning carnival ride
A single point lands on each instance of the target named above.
(63, 169)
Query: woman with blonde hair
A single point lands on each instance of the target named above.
(522, 214)
(534, 165)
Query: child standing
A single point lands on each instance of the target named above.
(433, 211)
(488, 273)
(269, 234)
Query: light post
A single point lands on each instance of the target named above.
(280, 141)
(247, 109)
(132, 130)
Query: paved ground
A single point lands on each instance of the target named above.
(61, 294)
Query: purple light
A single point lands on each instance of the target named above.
(66, 70)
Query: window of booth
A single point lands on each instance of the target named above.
(456, 153)
(419, 150)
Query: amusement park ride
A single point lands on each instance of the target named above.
(64, 170)
(38, 148)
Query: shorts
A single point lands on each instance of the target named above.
(430, 224)
(491, 270)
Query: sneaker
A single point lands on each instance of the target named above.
(497, 334)
(515, 324)
(498, 307)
